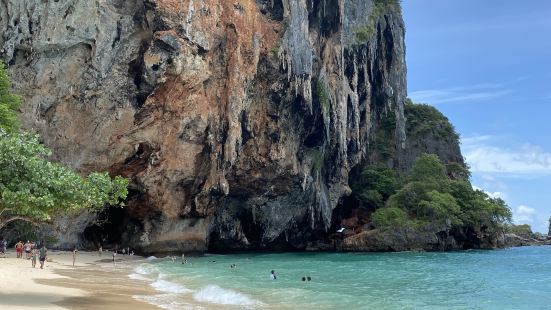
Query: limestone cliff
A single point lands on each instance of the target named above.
(237, 122)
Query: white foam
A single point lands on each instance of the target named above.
(137, 276)
(169, 287)
(151, 258)
(217, 295)
(147, 269)
(168, 301)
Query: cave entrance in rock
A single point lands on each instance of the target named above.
(109, 228)
(343, 211)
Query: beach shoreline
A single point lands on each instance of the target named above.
(93, 283)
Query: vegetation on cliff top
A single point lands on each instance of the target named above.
(365, 33)
(423, 119)
(431, 192)
(32, 188)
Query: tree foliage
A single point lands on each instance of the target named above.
(9, 103)
(524, 230)
(390, 217)
(430, 195)
(428, 169)
(34, 189)
(423, 119)
(375, 185)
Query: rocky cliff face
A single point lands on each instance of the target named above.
(427, 131)
(237, 122)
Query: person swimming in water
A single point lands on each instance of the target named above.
(273, 275)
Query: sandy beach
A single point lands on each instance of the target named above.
(93, 283)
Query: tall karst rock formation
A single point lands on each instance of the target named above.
(237, 122)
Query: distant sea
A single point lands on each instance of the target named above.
(515, 278)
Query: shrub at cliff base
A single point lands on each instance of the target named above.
(429, 195)
(375, 185)
(32, 188)
(524, 230)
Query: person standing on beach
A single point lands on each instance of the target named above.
(19, 249)
(100, 250)
(75, 253)
(43, 254)
(34, 254)
(3, 247)
(28, 248)
(183, 258)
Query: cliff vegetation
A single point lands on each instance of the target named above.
(422, 193)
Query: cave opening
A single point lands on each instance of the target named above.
(352, 213)
(110, 229)
(251, 229)
(343, 210)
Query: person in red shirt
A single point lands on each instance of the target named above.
(19, 249)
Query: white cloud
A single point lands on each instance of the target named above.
(443, 96)
(483, 156)
(491, 182)
(539, 221)
(476, 92)
(473, 140)
(524, 215)
(491, 194)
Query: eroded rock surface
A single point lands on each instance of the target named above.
(236, 121)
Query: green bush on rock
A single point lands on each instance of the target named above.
(390, 217)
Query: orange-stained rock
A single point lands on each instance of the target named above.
(237, 122)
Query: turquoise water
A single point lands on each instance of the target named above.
(516, 278)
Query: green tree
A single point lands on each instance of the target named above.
(524, 230)
(439, 207)
(375, 185)
(431, 196)
(34, 189)
(390, 217)
(428, 168)
(426, 120)
(457, 171)
(9, 103)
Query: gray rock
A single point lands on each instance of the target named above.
(227, 145)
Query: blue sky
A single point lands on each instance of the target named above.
(487, 66)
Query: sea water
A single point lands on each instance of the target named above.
(515, 278)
